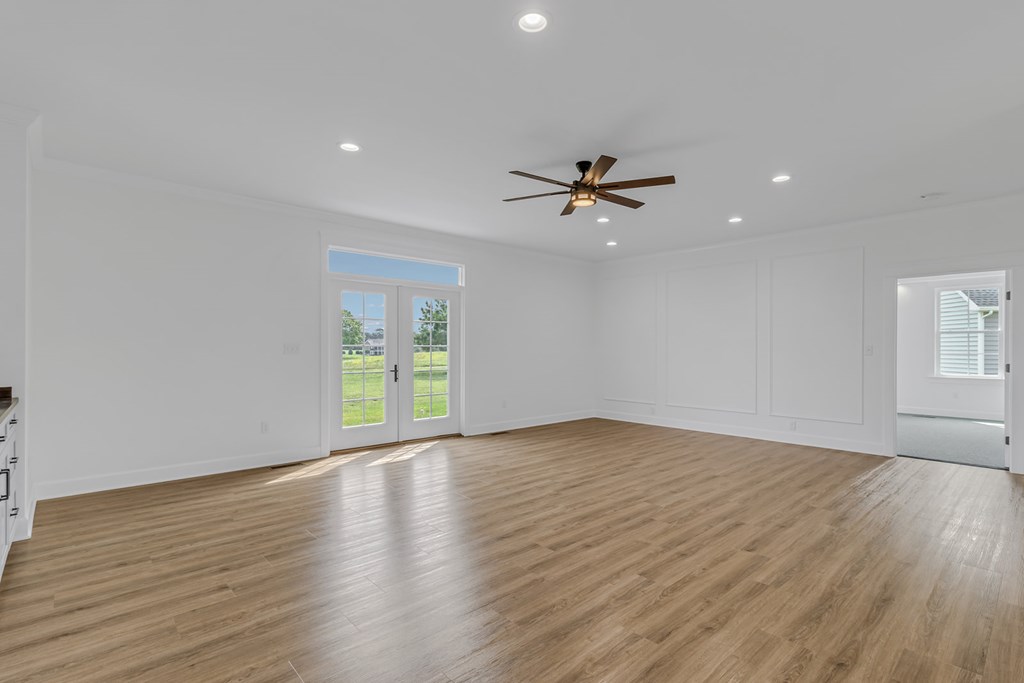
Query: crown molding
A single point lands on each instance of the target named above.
(42, 162)
(17, 116)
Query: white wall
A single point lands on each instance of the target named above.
(15, 124)
(918, 389)
(804, 343)
(13, 245)
(159, 316)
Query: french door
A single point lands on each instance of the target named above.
(394, 358)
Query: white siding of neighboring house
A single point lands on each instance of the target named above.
(964, 353)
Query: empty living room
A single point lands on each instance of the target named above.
(388, 342)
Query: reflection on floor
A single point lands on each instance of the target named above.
(970, 442)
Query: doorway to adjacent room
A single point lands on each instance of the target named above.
(950, 362)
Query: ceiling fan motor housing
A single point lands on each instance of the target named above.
(583, 167)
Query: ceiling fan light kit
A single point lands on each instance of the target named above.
(583, 197)
(589, 188)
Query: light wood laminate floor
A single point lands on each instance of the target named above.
(585, 551)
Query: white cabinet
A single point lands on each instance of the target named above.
(11, 482)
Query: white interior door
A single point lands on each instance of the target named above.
(429, 331)
(363, 357)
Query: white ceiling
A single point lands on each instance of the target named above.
(867, 104)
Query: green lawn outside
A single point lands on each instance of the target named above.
(364, 378)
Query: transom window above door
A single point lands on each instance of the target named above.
(358, 263)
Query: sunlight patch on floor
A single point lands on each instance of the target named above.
(403, 453)
(319, 467)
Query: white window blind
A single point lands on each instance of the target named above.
(969, 332)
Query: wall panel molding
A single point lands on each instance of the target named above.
(711, 338)
(817, 336)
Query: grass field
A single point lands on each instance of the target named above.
(362, 386)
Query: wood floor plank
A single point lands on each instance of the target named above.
(584, 551)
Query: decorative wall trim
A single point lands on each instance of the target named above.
(773, 328)
(712, 274)
(629, 400)
(45, 490)
(17, 116)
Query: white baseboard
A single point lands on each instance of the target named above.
(4, 550)
(869, 447)
(23, 527)
(72, 487)
(962, 414)
(540, 421)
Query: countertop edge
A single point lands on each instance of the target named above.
(6, 411)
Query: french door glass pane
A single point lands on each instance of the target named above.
(430, 357)
(362, 365)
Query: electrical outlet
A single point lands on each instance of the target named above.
(291, 349)
(504, 403)
(264, 427)
(792, 426)
(869, 350)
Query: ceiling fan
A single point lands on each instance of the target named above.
(589, 188)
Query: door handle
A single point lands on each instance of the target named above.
(7, 487)
(395, 370)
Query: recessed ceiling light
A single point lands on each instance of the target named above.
(611, 244)
(533, 22)
(735, 219)
(348, 146)
(780, 179)
(603, 219)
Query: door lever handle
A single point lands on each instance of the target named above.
(395, 370)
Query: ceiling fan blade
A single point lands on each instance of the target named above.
(534, 196)
(597, 171)
(641, 182)
(616, 199)
(541, 178)
(569, 208)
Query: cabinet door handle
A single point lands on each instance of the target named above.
(7, 486)
(14, 512)
(14, 421)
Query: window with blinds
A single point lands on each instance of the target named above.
(969, 332)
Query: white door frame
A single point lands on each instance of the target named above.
(939, 269)
(326, 278)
